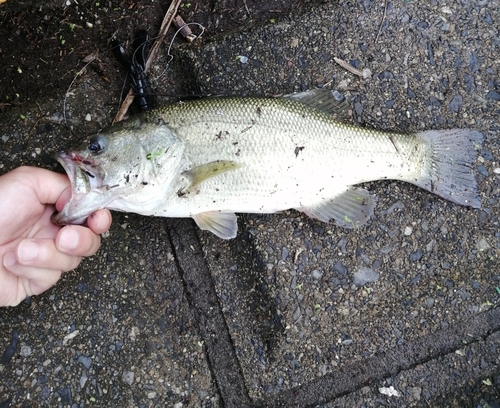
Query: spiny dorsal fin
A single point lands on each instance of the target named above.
(224, 225)
(350, 209)
(331, 102)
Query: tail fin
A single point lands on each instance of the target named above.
(451, 175)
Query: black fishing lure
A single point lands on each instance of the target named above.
(136, 67)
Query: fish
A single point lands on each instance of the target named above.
(211, 158)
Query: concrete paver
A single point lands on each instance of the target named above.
(165, 314)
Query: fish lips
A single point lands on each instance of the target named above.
(84, 177)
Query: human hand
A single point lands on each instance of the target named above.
(33, 251)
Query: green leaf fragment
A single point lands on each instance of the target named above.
(154, 154)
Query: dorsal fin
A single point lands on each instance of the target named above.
(331, 102)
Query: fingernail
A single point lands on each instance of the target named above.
(9, 259)
(69, 238)
(27, 251)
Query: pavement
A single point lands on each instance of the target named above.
(292, 312)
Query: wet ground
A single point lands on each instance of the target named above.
(293, 312)
(44, 43)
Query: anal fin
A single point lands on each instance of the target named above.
(222, 224)
(350, 209)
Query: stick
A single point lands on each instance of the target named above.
(165, 25)
(348, 66)
(381, 23)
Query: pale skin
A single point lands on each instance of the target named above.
(33, 251)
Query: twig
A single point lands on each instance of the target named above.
(165, 25)
(382, 22)
(348, 66)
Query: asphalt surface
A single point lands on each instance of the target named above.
(293, 312)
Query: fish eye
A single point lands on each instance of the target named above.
(97, 144)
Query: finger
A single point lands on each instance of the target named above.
(77, 240)
(43, 278)
(32, 255)
(47, 185)
(14, 288)
(63, 199)
(99, 221)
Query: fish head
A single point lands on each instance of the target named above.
(130, 166)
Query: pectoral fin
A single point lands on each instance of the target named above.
(198, 174)
(224, 225)
(349, 209)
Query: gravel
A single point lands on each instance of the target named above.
(303, 302)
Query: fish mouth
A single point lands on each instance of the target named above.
(85, 176)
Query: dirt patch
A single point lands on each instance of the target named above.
(43, 45)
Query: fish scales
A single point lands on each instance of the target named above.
(210, 158)
(280, 146)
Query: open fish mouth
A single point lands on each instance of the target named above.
(85, 177)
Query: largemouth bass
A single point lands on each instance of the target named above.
(211, 158)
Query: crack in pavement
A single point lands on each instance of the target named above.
(389, 363)
(203, 299)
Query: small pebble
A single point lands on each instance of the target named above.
(284, 253)
(128, 377)
(493, 95)
(408, 231)
(366, 73)
(85, 361)
(83, 380)
(385, 75)
(483, 245)
(365, 275)
(455, 104)
(25, 351)
(296, 314)
(416, 256)
(358, 108)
